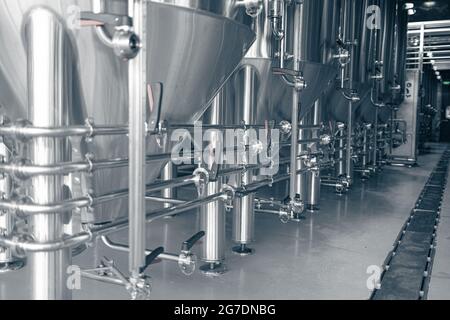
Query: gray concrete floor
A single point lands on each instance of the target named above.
(324, 257)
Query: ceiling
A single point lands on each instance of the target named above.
(436, 14)
(431, 10)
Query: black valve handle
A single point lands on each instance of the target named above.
(189, 243)
(149, 259)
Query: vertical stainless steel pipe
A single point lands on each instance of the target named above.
(365, 150)
(340, 165)
(302, 179)
(212, 215)
(49, 75)
(243, 214)
(294, 192)
(137, 115)
(168, 173)
(349, 144)
(375, 141)
(314, 177)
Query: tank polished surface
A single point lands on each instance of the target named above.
(201, 32)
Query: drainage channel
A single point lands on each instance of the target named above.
(407, 270)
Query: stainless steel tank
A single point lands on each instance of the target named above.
(317, 39)
(386, 60)
(400, 52)
(271, 97)
(192, 49)
(356, 36)
(321, 22)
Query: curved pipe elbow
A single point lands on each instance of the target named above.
(98, 6)
(104, 36)
(277, 32)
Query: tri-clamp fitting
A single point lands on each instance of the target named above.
(253, 8)
(228, 197)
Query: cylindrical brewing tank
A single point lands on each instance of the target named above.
(320, 20)
(317, 42)
(356, 36)
(387, 59)
(400, 52)
(192, 48)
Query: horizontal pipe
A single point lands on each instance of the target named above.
(61, 132)
(29, 246)
(25, 171)
(84, 237)
(266, 211)
(33, 208)
(88, 201)
(164, 200)
(188, 205)
(82, 202)
(244, 127)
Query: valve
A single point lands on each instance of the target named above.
(343, 184)
(294, 207)
(125, 43)
(285, 127)
(310, 162)
(188, 261)
(325, 139)
(343, 56)
(340, 189)
(284, 215)
(253, 8)
(300, 83)
(229, 197)
(201, 181)
(139, 287)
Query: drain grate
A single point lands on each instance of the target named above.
(408, 267)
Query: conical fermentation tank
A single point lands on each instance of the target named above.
(255, 86)
(192, 49)
(317, 42)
